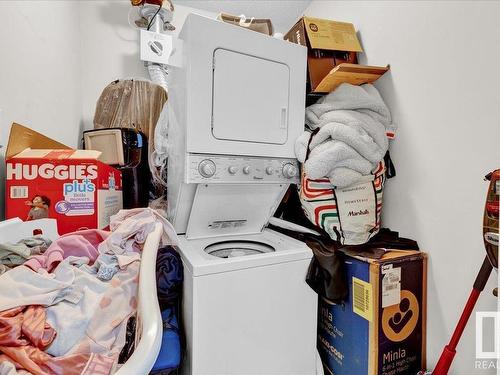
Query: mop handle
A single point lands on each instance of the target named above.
(444, 363)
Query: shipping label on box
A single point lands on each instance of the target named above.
(380, 329)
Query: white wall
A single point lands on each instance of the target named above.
(39, 67)
(39, 71)
(109, 50)
(443, 93)
(110, 47)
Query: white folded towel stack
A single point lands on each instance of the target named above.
(354, 124)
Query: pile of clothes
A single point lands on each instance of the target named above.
(12, 255)
(65, 309)
(352, 127)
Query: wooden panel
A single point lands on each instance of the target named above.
(350, 73)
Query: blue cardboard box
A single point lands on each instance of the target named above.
(380, 329)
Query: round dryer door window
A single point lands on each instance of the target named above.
(233, 249)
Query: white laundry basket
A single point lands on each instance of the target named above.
(149, 327)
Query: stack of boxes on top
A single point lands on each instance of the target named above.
(332, 54)
(380, 328)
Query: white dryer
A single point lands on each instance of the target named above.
(236, 107)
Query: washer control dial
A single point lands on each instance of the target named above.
(289, 170)
(246, 169)
(232, 169)
(207, 168)
(269, 170)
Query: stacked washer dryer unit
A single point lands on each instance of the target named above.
(236, 106)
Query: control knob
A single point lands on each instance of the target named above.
(269, 170)
(232, 169)
(289, 170)
(246, 169)
(207, 168)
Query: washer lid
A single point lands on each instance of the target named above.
(232, 209)
(233, 249)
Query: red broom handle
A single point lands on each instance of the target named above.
(446, 359)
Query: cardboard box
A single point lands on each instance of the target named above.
(381, 329)
(48, 179)
(331, 44)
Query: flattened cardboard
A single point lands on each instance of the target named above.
(297, 34)
(331, 35)
(260, 25)
(350, 73)
(21, 138)
(59, 155)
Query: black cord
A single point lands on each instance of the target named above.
(153, 18)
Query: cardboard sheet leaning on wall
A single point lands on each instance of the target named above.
(132, 104)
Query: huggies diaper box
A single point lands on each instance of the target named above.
(45, 178)
(380, 329)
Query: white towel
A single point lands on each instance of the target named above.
(362, 99)
(353, 122)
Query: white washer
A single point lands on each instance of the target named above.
(248, 314)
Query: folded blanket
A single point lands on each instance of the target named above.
(354, 124)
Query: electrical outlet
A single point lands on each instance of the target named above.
(155, 47)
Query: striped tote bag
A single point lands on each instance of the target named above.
(349, 215)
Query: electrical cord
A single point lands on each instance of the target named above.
(153, 18)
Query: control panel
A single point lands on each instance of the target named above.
(203, 168)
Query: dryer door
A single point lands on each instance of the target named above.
(250, 98)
